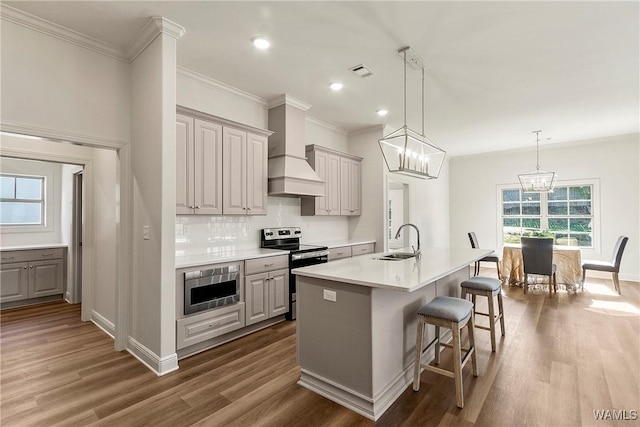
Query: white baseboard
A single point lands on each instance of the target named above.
(103, 323)
(159, 365)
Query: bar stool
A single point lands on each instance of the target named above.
(452, 313)
(486, 287)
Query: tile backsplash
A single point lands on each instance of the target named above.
(201, 234)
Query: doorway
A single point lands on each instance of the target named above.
(76, 237)
(397, 213)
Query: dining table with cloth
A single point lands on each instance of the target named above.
(567, 259)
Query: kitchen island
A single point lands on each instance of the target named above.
(356, 324)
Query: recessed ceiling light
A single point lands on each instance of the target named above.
(336, 86)
(260, 42)
(382, 112)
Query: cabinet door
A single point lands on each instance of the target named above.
(256, 174)
(208, 168)
(14, 282)
(256, 296)
(320, 165)
(184, 165)
(355, 187)
(333, 184)
(46, 278)
(234, 165)
(350, 186)
(278, 292)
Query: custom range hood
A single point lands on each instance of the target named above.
(289, 172)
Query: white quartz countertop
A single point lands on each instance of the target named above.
(342, 243)
(225, 255)
(27, 247)
(406, 275)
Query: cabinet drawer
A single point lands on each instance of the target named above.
(365, 248)
(32, 255)
(209, 324)
(260, 265)
(337, 253)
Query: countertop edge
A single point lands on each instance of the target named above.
(221, 259)
(31, 247)
(378, 285)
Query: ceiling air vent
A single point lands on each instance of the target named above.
(361, 70)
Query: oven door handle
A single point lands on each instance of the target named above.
(306, 255)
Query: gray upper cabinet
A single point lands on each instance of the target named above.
(342, 175)
(221, 166)
(350, 186)
(198, 166)
(245, 173)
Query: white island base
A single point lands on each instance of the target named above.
(359, 351)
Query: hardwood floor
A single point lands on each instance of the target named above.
(562, 358)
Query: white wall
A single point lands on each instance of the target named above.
(53, 86)
(371, 224)
(153, 168)
(613, 161)
(104, 198)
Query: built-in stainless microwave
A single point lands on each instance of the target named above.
(215, 287)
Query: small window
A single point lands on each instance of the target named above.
(21, 200)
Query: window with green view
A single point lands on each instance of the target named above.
(566, 214)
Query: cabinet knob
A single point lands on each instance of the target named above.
(197, 207)
(25, 267)
(249, 209)
(31, 266)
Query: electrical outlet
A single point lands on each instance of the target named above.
(145, 232)
(329, 295)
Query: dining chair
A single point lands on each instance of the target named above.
(612, 266)
(537, 258)
(489, 258)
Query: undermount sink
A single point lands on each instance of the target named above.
(396, 256)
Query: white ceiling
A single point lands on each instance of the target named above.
(497, 70)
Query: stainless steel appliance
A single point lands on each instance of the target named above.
(288, 238)
(215, 287)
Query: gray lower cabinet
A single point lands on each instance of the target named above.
(267, 289)
(349, 251)
(29, 274)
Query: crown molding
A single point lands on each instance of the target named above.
(154, 27)
(208, 82)
(26, 20)
(370, 129)
(326, 125)
(289, 100)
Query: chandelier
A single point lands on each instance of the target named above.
(538, 181)
(408, 152)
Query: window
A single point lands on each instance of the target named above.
(566, 214)
(22, 200)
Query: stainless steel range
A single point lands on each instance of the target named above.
(288, 238)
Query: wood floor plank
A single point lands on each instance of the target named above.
(561, 359)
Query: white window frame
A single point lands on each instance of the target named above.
(49, 216)
(595, 207)
(41, 201)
